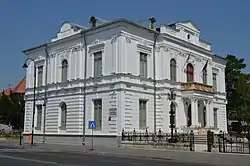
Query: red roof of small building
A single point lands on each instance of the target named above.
(7, 91)
(20, 88)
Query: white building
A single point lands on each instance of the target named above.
(120, 74)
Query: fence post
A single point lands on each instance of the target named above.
(191, 144)
(248, 140)
(223, 143)
(123, 134)
(209, 141)
(219, 140)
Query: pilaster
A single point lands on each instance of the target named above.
(211, 112)
(194, 112)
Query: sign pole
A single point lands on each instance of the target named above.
(92, 126)
(92, 140)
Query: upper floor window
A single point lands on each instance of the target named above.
(40, 76)
(204, 76)
(143, 65)
(215, 81)
(98, 64)
(172, 70)
(190, 73)
(64, 70)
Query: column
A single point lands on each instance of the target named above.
(208, 114)
(194, 112)
(211, 111)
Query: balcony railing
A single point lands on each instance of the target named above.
(195, 86)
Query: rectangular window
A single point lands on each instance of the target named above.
(215, 81)
(40, 76)
(98, 64)
(39, 117)
(204, 76)
(215, 117)
(142, 114)
(98, 113)
(143, 65)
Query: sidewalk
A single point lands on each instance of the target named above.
(220, 159)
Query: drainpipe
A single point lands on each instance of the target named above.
(84, 86)
(154, 81)
(45, 92)
(152, 21)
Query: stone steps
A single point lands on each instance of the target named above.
(200, 139)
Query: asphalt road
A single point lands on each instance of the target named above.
(28, 158)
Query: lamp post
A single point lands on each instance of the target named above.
(171, 97)
(20, 123)
(34, 97)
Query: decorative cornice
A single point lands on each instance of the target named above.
(65, 51)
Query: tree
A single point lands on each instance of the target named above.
(242, 93)
(233, 71)
(5, 106)
(12, 110)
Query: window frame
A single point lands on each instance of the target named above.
(142, 114)
(98, 108)
(39, 114)
(64, 72)
(98, 65)
(173, 70)
(190, 72)
(143, 64)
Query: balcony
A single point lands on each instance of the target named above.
(195, 86)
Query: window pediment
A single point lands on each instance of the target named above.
(96, 47)
(143, 48)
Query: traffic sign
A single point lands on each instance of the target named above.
(92, 124)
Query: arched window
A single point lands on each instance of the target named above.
(64, 70)
(190, 73)
(63, 115)
(172, 70)
(204, 76)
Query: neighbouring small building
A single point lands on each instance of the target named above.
(130, 70)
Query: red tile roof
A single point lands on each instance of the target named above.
(7, 91)
(21, 87)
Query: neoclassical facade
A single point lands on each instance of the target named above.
(124, 71)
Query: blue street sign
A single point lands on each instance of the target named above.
(92, 124)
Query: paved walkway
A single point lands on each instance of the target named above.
(219, 159)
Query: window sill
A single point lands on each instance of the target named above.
(37, 128)
(62, 127)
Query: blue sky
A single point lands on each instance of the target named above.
(28, 23)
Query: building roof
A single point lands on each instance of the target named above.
(21, 87)
(6, 91)
(104, 24)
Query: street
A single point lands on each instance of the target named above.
(36, 158)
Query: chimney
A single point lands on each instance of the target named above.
(152, 21)
(93, 21)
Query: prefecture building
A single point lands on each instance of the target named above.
(125, 71)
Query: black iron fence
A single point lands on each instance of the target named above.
(229, 142)
(160, 139)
